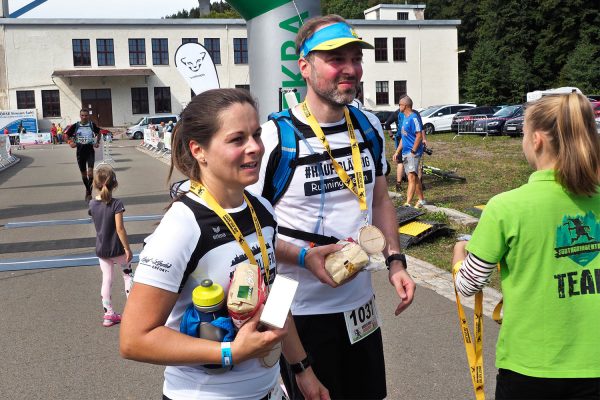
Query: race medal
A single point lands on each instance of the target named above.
(371, 239)
(273, 357)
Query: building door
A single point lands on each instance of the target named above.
(99, 102)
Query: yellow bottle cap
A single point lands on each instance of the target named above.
(207, 294)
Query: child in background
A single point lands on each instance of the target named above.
(112, 246)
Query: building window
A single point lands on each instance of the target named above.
(139, 100)
(240, 51)
(50, 103)
(189, 40)
(402, 16)
(381, 49)
(399, 51)
(247, 87)
(25, 99)
(81, 53)
(382, 92)
(160, 52)
(213, 45)
(162, 99)
(399, 90)
(137, 52)
(106, 52)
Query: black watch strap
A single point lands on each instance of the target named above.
(394, 257)
(301, 366)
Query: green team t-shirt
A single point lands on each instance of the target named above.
(548, 245)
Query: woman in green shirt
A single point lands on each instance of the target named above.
(546, 237)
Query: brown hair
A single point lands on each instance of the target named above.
(568, 121)
(199, 121)
(105, 181)
(310, 26)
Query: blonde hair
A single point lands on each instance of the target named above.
(105, 181)
(568, 121)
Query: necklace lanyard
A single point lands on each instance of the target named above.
(473, 343)
(357, 189)
(199, 190)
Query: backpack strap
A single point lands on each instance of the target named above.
(288, 145)
(370, 135)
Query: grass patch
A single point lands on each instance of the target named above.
(491, 166)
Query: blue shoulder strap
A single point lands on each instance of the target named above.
(284, 171)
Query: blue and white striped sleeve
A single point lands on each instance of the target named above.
(473, 275)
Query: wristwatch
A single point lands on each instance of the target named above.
(412, 151)
(302, 365)
(394, 257)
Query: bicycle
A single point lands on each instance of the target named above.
(437, 172)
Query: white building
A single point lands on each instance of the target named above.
(124, 69)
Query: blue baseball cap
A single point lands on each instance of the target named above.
(332, 37)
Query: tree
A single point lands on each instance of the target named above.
(482, 75)
(581, 69)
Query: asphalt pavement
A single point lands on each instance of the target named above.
(52, 342)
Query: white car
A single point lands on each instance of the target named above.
(439, 118)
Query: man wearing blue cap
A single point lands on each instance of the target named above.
(332, 186)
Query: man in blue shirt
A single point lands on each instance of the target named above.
(411, 148)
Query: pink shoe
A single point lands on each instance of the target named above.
(111, 319)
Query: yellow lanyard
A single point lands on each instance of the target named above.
(474, 349)
(359, 188)
(199, 190)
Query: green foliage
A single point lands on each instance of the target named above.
(352, 9)
(220, 9)
(581, 69)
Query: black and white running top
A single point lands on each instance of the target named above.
(190, 244)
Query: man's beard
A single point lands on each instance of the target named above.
(332, 95)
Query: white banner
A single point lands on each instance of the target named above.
(197, 68)
(167, 140)
(4, 148)
(35, 138)
(151, 137)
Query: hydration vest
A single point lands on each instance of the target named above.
(289, 137)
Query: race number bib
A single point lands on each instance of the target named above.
(362, 321)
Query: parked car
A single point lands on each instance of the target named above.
(494, 124)
(513, 127)
(439, 118)
(598, 125)
(596, 108)
(466, 118)
(137, 131)
(382, 116)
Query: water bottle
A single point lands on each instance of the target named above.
(209, 299)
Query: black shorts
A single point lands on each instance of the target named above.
(348, 371)
(86, 156)
(511, 385)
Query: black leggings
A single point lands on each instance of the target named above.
(511, 385)
(86, 157)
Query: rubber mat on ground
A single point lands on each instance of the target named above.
(476, 210)
(407, 214)
(435, 229)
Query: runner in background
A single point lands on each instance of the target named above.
(85, 136)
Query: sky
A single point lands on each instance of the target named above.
(103, 8)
